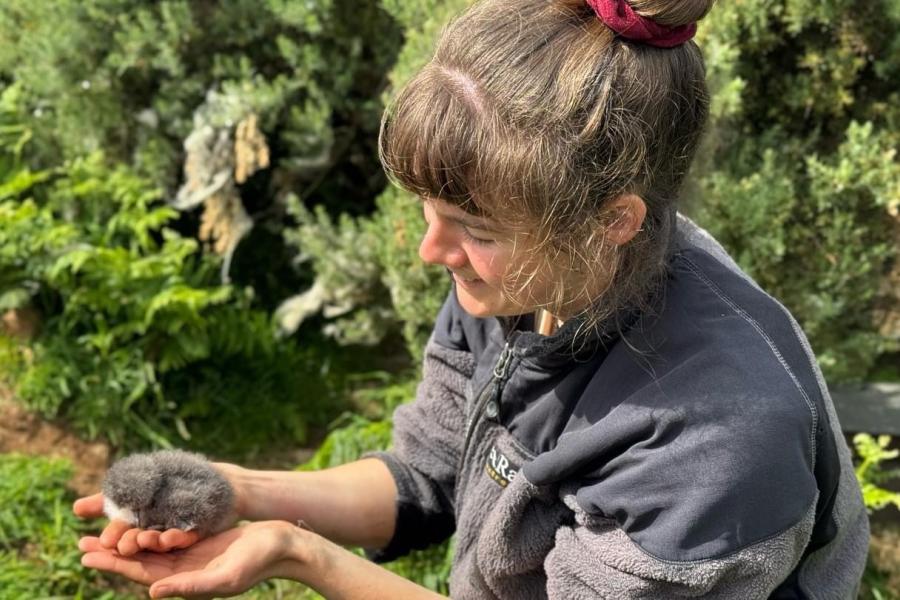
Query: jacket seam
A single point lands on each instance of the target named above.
(723, 557)
(756, 326)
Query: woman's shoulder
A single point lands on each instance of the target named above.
(705, 418)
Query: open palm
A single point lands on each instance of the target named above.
(222, 565)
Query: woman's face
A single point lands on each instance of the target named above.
(480, 255)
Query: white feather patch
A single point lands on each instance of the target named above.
(121, 514)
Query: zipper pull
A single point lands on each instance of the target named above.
(492, 407)
(502, 363)
(488, 403)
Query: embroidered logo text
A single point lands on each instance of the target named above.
(499, 468)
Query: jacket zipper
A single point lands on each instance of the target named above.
(491, 390)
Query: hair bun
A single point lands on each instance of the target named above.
(672, 13)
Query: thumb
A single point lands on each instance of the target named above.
(89, 507)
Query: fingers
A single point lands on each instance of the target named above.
(173, 539)
(113, 533)
(89, 507)
(90, 544)
(148, 539)
(128, 540)
(128, 545)
(137, 540)
(159, 541)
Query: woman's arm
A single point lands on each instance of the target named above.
(353, 504)
(338, 574)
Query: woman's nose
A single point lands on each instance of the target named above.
(440, 246)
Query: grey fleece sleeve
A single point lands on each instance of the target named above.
(595, 559)
(427, 441)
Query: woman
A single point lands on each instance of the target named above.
(609, 407)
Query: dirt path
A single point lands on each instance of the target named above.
(26, 433)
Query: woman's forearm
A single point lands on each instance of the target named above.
(338, 574)
(354, 504)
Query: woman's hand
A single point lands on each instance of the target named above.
(225, 564)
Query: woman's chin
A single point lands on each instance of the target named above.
(471, 304)
(483, 301)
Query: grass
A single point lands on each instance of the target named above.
(39, 557)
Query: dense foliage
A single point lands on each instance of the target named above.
(231, 104)
(871, 472)
(801, 177)
(129, 77)
(139, 341)
(401, 292)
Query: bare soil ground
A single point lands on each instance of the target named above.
(26, 433)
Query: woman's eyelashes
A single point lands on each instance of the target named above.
(473, 238)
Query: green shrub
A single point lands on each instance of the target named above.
(872, 454)
(353, 436)
(140, 343)
(400, 291)
(800, 176)
(870, 471)
(127, 77)
(369, 279)
(232, 104)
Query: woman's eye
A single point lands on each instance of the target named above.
(474, 238)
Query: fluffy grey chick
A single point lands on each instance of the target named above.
(168, 489)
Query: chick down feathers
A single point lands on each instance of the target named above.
(168, 489)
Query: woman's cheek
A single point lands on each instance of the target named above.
(488, 264)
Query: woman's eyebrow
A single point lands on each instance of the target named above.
(473, 223)
(459, 216)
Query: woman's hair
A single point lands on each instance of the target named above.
(536, 114)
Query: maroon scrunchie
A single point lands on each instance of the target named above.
(621, 18)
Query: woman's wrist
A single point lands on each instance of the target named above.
(335, 572)
(305, 555)
(237, 477)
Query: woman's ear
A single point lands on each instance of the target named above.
(627, 214)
